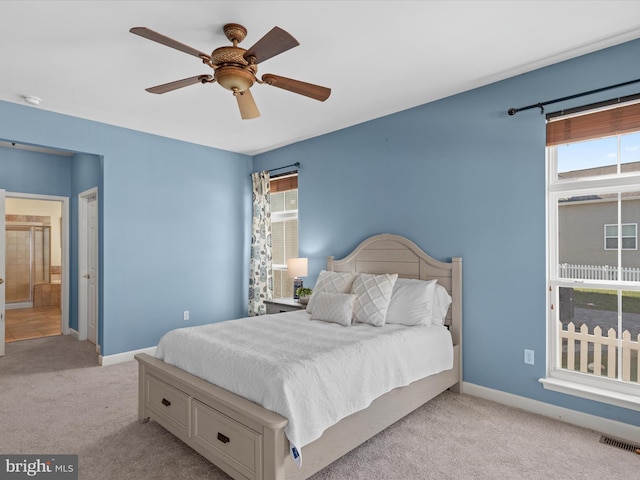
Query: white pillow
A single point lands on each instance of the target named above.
(332, 282)
(374, 294)
(441, 302)
(412, 302)
(334, 308)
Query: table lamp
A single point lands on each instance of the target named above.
(297, 267)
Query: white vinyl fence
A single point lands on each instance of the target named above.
(591, 347)
(598, 272)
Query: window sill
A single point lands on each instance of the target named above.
(598, 394)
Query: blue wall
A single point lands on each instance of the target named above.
(34, 172)
(173, 230)
(461, 178)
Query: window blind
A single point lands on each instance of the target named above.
(281, 184)
(612, 121)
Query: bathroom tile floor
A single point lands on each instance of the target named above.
(28, 323)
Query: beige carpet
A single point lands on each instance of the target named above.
(55, 399)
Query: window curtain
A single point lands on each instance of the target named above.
(261, 274)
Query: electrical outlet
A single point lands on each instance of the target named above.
(528, 357)
(185, 315)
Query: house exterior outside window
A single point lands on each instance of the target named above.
(629, 236)
(284, 231)
(593, 192)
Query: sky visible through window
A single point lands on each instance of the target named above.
(598, 153)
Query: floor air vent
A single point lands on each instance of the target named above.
(624, 445)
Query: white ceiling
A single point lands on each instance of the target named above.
(378, 57)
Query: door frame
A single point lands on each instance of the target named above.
(83, 199)
(64, 244)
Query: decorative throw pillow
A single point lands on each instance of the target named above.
(332, 282)
(412, 302)
(373, 296)
(334, 308)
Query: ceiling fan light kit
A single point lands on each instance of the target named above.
(235, 68)
(234, 78)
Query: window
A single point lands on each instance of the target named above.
(284, 231)
(594, 292)
(629, 236)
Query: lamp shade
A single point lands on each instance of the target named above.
(297, 267)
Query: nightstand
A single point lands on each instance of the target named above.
(279, 305)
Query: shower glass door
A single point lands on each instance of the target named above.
(18, 264)
(28, 261)
(41, 254)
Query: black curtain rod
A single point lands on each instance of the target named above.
(540, 105)
(593, 106)
(296, 165)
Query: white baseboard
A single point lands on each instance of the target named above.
(623, 431)
(124, 356)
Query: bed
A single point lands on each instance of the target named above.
(247, 440)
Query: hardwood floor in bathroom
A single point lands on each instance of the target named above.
(28, 323)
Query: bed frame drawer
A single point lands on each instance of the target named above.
(170, 405)
(227, 440)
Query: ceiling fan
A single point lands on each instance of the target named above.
(236, 68)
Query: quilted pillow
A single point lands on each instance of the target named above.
(373, 296)
(412, 302)
(332, 282)
(334, 308)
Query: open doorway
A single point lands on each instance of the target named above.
(34, 260)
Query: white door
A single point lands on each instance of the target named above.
(92, 269)
(88, 266)
(2, 283)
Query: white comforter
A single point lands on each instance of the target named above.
(311, 372)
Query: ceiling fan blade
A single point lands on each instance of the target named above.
(247, 105)
(169, 42)
(296, 86)
(185, 82)
(273, 43)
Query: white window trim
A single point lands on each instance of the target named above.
(601, 389)
(284, 216)
(586, 390)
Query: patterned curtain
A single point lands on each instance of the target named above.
(261, 275)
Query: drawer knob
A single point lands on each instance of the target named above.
(223, 438)
(166, 402)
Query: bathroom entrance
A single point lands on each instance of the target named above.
(33, 268)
